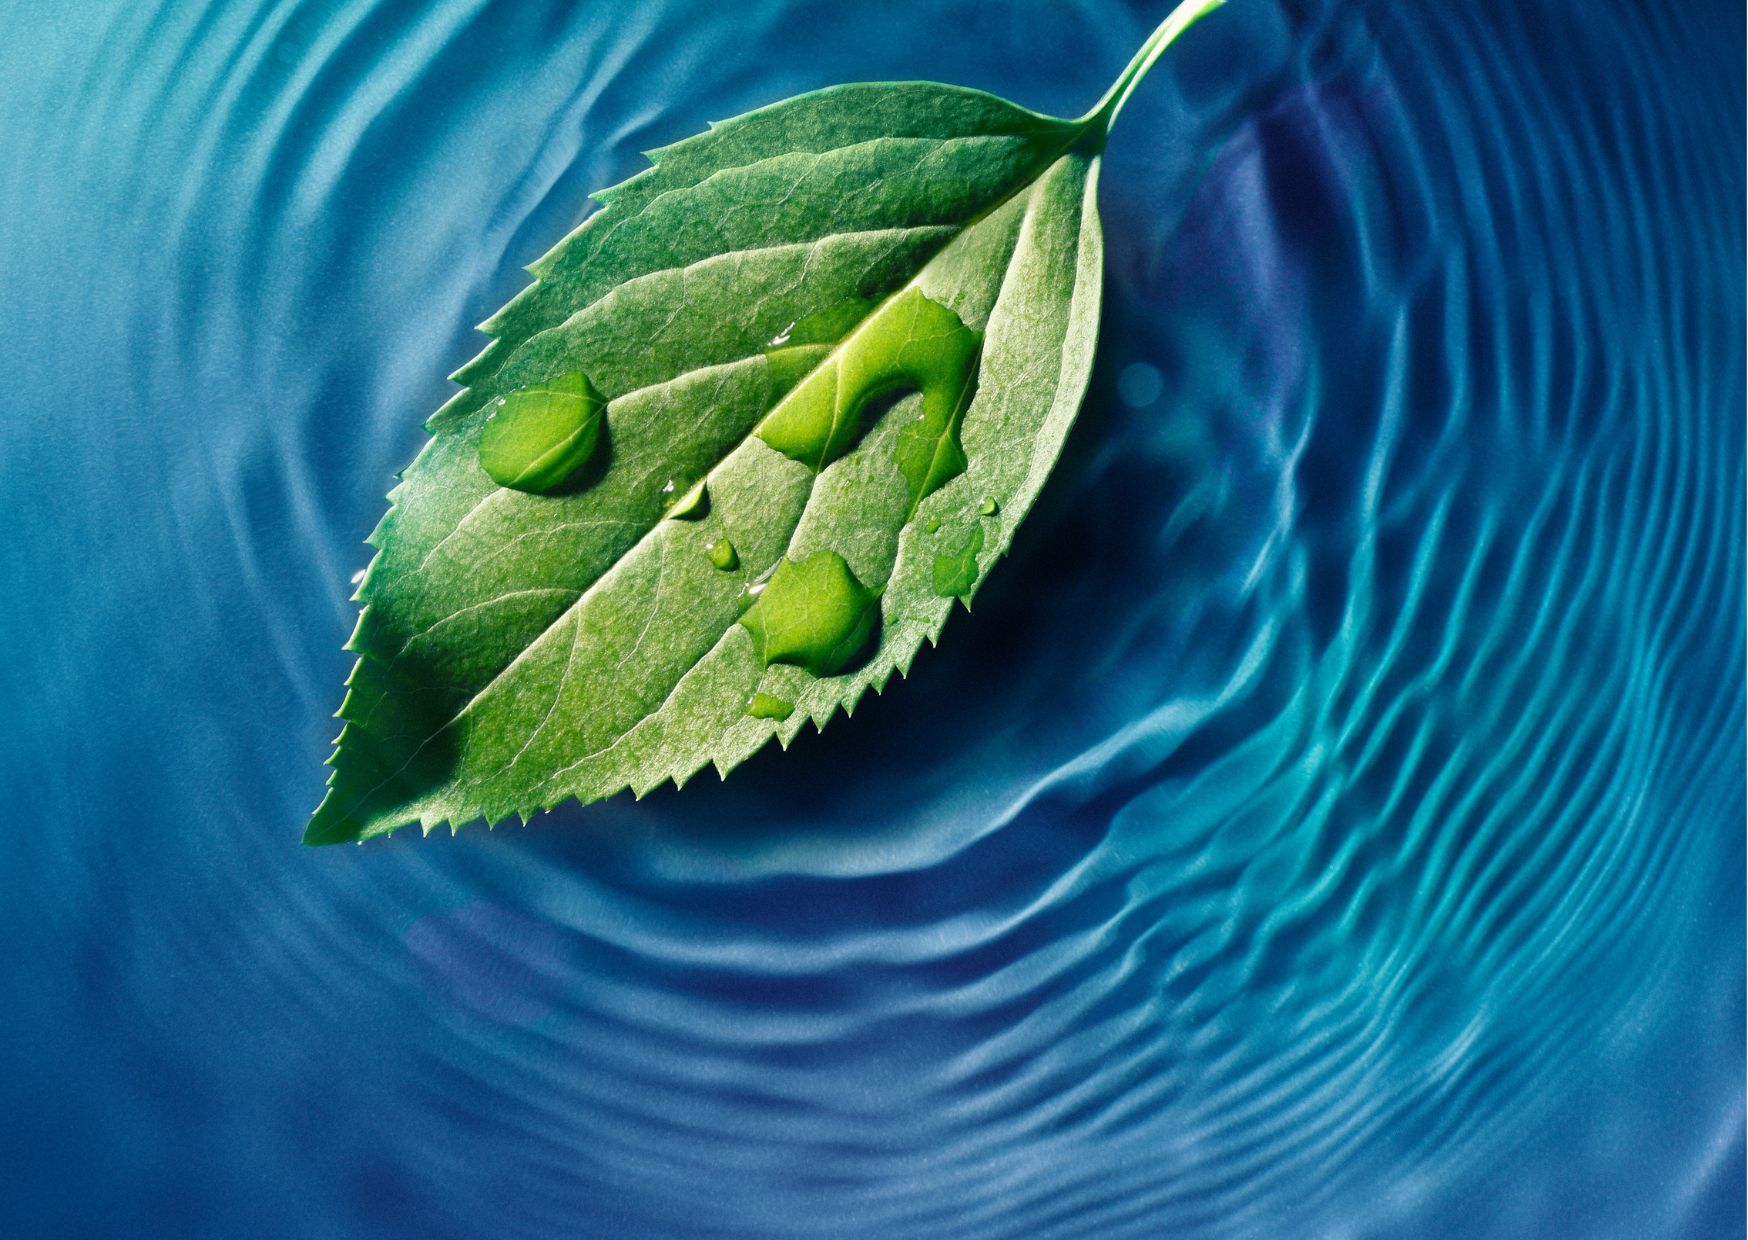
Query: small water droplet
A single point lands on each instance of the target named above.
(813, 613)
(781, 338)
(540, 435)
(668, 487)
(722, 554)
(988, 508)
(769, 706)
(694, 503)
(750, 591)
(932, 524)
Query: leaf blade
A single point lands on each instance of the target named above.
(516, 650)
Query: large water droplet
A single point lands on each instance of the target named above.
(722, 554)
(955, 574)
(830, 325)
(540, 435)
(801, 346)
(790, 364)
(812, 613)
(768, 706)
(908, 341)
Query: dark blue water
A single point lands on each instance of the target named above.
(1329, 823)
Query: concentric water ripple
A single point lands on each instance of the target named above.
(1329, 823)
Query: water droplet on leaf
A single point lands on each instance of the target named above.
(805, 343)
(812, 613)
(749, 593)
(540, 435)
(790, 364)
(908, 341)
(694, 503)
(830, 325)
(722, 554)
(768, 706)
(988, 508)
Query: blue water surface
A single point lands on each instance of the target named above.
(1328, 823)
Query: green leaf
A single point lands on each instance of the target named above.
(728, 462)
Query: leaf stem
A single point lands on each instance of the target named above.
(1104, 113)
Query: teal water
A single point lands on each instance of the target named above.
(1329, 822)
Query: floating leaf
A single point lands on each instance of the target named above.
(798, 344)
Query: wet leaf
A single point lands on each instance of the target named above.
(732, 410)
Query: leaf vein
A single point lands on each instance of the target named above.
(462, 611)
